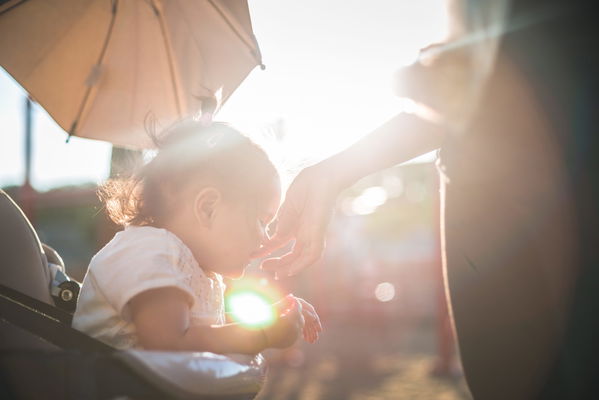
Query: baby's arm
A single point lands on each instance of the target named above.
(161, 318)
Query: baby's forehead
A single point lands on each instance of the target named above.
(271, 199)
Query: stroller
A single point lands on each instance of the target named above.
(43, 357)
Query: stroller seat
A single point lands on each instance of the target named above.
(42, 357)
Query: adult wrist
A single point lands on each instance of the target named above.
(333, 174)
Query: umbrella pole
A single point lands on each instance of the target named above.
(27, 193)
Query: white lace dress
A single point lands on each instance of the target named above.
(135, 260)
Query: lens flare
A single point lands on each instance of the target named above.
(251, 309)
(384, 292)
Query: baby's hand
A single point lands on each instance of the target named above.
(312, 324)
(290, 321)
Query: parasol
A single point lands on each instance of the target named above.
(101, 67)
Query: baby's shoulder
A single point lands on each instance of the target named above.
(139, 243)
(143, 234)
(138, 259)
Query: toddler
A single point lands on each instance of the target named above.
(194, 214)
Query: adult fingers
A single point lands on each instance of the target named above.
(277, 264)
(311, 237)
(285, 223)
(308, 248)
(286, 226)
(271, 245)
(310, 253)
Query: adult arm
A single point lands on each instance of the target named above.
(309, 203)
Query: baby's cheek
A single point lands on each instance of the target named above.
(254, 235)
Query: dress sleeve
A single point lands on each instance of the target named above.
(143, 259)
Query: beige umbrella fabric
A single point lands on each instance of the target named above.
(101, 67)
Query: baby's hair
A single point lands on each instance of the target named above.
(188, 153)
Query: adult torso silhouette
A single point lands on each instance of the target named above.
(518, 225)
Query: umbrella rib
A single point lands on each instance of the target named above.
(72, 131)
(169, 56)
(254, 49)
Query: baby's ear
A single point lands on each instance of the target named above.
(205, 204)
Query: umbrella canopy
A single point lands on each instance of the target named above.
(101, 67)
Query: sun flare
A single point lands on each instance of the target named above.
(252, 309)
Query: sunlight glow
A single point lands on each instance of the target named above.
(327, 86)
(251, 309)
(328, 81)
(370, 199)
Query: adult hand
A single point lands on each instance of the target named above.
(303, 217)
(308, 207)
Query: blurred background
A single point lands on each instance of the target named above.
(328, 81)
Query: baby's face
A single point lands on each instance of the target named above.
(239, 230)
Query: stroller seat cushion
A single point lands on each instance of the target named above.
(24, 265)
(189, 375)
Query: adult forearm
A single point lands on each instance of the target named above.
(400, 139)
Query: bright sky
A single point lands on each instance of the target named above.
(330, 66)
